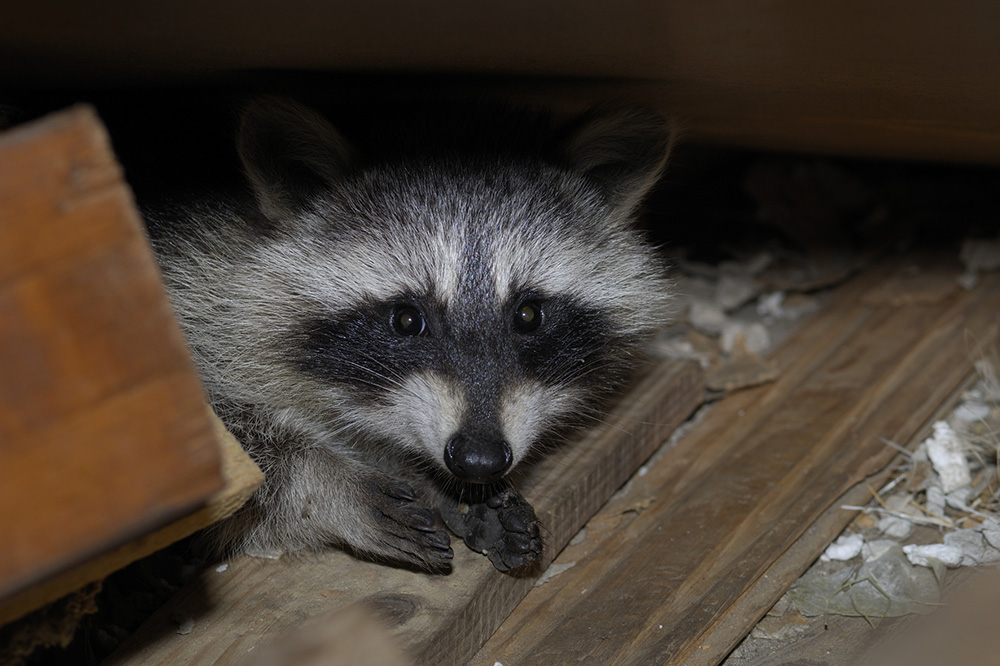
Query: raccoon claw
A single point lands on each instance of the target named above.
(408, 530)
(504, 528)
(399, 490)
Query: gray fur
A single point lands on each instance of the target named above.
(278, 294)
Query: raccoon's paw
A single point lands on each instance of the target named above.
(503, 527)
(405, 531)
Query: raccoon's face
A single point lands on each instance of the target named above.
(458, 361)
(470, 384)
(461, 313)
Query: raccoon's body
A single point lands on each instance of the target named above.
(390, 333)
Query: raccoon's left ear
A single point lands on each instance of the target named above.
(624, 151)
(289, 153)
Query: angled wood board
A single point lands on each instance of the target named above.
(104, 435)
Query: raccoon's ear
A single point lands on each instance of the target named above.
(624, 151)
(289, 153)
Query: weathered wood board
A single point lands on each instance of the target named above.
(104, 435)
(835, 640)
(676, 569)
(435, 619)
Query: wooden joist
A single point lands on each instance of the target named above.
(863, 77)
(104, 434)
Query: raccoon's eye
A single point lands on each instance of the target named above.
(527, 317)
(408, 320)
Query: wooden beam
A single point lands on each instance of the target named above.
(104, 435)
(868, 77)
(435, 619)
(666, 565)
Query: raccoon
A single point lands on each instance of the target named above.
(390, 324)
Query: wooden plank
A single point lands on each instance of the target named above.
(665, 562)
(104, 434)
(853, 635)
(868, 77)
(242, 478)
(435, 619)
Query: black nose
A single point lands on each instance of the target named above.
(477, 460)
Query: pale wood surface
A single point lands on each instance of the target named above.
(104, 434)
(678, 569)
(434, 619)
(869, 77)
(347, 637)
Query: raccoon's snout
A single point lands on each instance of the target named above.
(477, 460)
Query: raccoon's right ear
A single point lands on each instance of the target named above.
(624, 151)
(289, 153)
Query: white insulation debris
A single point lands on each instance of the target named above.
(732, 291)
(752, 337)
(844, 548)
(981, 254)
(924, 555)
(707, 317)
(947, 453)
(978, 546)
(898, 524)
(935, 501)
(869, 572)
(970, 412)
(554, 570)
(185, 626)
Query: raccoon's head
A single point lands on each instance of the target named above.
(455, 306)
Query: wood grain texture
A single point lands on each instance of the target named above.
(104, 434)
(435, 619)
(835, 640)
(882, 77)
(666, 564)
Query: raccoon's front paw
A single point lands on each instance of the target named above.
(406, 531)
(503, 527)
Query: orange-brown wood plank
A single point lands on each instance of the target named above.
(434, 619)
(663, 565)
(242, 478)
(104, 434)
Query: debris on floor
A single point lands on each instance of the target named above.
(882, 585)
